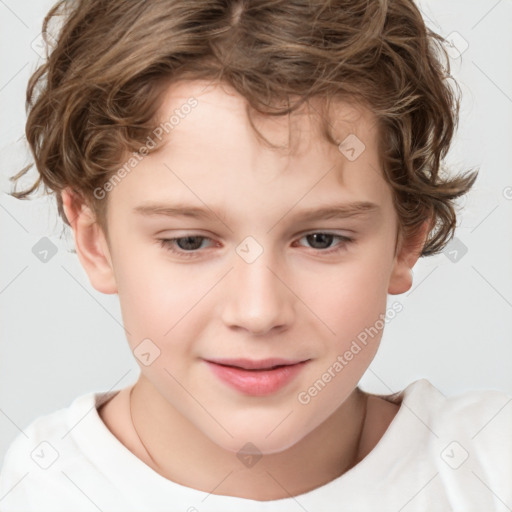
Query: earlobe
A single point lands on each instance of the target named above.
(408, 254)
(90, 242)
(401, 280)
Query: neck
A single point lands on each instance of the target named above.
(180, 452)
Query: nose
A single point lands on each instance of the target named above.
(258, 300)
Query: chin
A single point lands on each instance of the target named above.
(267, 437)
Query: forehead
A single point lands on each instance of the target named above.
(211, 155)
(221, 109)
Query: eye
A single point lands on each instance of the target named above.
(323, 241)
(188, 246)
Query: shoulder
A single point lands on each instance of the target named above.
(470, 413)
(467, 437)
(480, 425)
(465, 410)
(37, 461)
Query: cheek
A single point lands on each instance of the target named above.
(160, 300)
(352, 303)
(352, 295)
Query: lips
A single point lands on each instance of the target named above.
(251, 364)
(256, 377)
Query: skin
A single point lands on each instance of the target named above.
(294, 301)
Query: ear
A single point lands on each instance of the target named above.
(90, 241)
(408, 252)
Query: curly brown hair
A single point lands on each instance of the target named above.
(97, 94)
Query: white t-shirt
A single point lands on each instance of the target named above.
(438, 454)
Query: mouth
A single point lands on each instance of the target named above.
(252, 364)
(256, 377)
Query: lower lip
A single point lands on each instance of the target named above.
(256, 382)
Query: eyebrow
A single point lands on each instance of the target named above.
(335, 211)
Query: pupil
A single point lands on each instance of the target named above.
(188, 241)
(324, 239)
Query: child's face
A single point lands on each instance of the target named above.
(255, 287)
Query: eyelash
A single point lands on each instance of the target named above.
(168, 244)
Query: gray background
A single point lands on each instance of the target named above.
(60, 338)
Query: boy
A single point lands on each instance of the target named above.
(258, 130)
